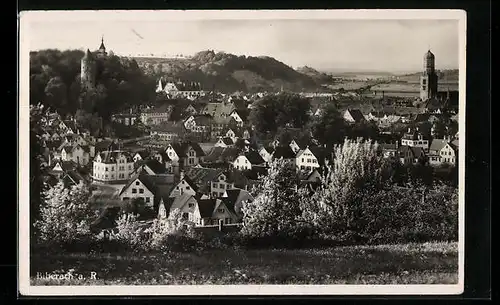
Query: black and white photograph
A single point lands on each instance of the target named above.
(216, 152)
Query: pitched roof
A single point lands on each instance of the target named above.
(181, 149)
(144, 178)
(165, 108)
(221, 154)
(284, 152)
(112, 156)
(203, 119)
(243, 113)
(234, 197)
(437, 144)
(253, 157)
(155, 166)
(206, 207)
(202, 176)
(227, 141)
(219, 110)
(179, 201)
(356, 115)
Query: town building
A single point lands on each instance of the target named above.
(112, 166)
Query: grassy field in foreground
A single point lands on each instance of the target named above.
(429, 263)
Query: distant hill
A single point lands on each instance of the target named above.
(229, 73)
(319, 77)
(445, 76)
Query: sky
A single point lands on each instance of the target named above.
(324, 44)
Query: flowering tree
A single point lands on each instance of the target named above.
(66, 215)
(276, 210)
(357, 172)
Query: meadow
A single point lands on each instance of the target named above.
(417, 263)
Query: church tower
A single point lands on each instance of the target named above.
(429, 78)
(101, 52)
(88, 70)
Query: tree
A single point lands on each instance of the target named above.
(56, 92)
(329, 128)
(276, 210)
(358, 171)
(66, 215)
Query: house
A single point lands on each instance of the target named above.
(221, 156)
(411, 154)
(297, 145)
(184, 186)
(353, 116)
(225, 180)
(127, 118)
(246, 160)
(155, 115)
(415, 138)
(283, 152)
(310, 158)
(112, 166)
(240, 116)
(225, 142)
(76, 153)
(201, 123)
(60, 168)
(168, 131)
(202, 178)
(139, 186)
(151, 167)
(234, 200)
(184, 154)
(141, 155)
(389, 149)
(442, 151)
(266, 153)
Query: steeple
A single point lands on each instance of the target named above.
(102, 47)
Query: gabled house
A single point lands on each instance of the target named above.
(310, 158)
(184, 186)
(185, 203)
(185, 154)
(225, 142)
(227, 180)
(411, 155)
(221, 156)
(141, 155)
(353, 116)
(234, 200)
(76, 153)
(150, 167)
(246, 160)
(415, 138)
(202, 178)
(139, 186)
(240, 116)
(442, 151)
(266, 153)
(283, 152)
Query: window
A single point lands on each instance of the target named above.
(424, 87)
(182, 182)
(141, 191)
(188, 188)
(112, 168)
(214, 194)
(177, 187)
(222, 186)
(246, 161)
(302, 159)
(129, 166)
(191, 205)
(220, 210)
(302, 167)
(106, 168)
(191, 161)
(134, 191)
(137, 183)
(147, 199)
(308, 160)
(424, 81)
(106, 176)
(113, 176)
(221, 178)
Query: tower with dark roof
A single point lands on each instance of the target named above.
(101, 52)
(429, 78)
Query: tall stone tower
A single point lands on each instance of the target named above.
(429, 78)
(88, 70)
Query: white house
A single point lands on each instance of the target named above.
(442, 151)
(415, 139)
(306, 160)
(184, 186)
(246, 160)
(76, 153)
(220, 184)
(266, 153)
(239, 117)
(224, 142)
(138, 187)
(112, 166)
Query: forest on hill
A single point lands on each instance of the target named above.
(229, 73)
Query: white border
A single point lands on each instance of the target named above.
(43, 16)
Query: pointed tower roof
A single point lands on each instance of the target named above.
(429, 54)
(102, 47)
